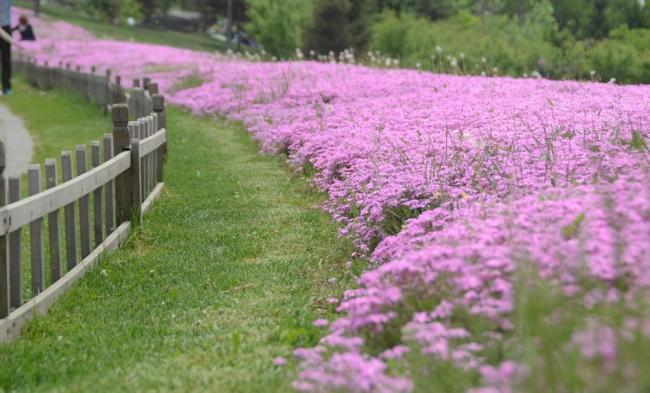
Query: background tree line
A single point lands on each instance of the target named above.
(584, 39)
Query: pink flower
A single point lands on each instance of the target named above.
(279, 361)
(321, 323)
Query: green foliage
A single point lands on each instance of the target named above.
(571, 230)
(546, 322)
(360, 16)
(504, 44)
(538, 45)
(114, 11)
(595, 18)
(389, 35)
(625, 56)
(638, 141)
(329, 29)
(276, 24)
(432, 9)
(540, 21)
(210, 9)
(195, 79)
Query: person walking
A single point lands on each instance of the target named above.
(5, 45)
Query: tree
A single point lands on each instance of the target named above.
(628, 13)
(276, 24)
(360, 16)
(572, 15)
(115, 11)
(149, 8)
(330, 28)
(518, 8)
(210, 9)
(432, 9)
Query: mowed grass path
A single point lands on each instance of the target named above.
(228, 271)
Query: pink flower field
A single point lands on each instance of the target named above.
(507, 221)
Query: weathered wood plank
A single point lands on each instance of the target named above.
(53, 223)
(98, 228)
(15, 250)
(151, 168)
(28, 209)
(145, 159)
(4, 255)
(153, 88)
(158, 105)
(121, 143)
(134, 132)
(136, 184)
(153, 196)
(153, 142)
(70, 224)
(109, 186)
(84, 213)
(36, 234)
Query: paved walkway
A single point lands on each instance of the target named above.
(18, 143)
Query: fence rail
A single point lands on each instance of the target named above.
(105, 199)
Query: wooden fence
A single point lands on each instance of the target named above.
(113, 186)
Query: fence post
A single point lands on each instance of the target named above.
(68, 77)
(36, 234)
(107, 91)
(146, 97)
(136, 99)
(118, 97)
(146, 132)
(90, 86)
(159, 108)
(15, 250)
(70, 231)
(158, 102)
(153, 88)
(136, 183)
(48, 75)
(108, 188)
(84, 214)
(97, 199)
(53, 223)
(4, 256)
(59, 80)
(123, 189)
(80, 87)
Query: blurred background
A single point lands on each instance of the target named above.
(603, 40)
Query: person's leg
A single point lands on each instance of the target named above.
(5, 48)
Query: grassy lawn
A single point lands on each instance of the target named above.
(228, 270)
(56, 120)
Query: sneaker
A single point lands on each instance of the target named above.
(6, 92)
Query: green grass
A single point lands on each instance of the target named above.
(191, 81)
(227, 271)
(196, 41)
(55, 127)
